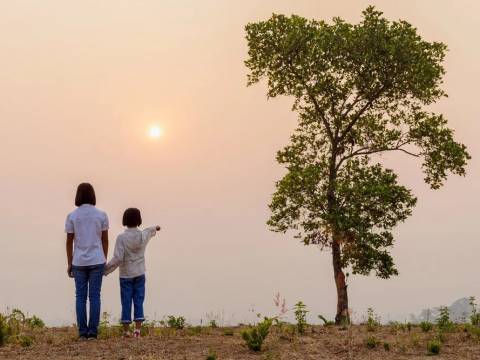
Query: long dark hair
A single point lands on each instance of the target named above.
(85, 195)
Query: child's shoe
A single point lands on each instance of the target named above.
(136, 334)
(127, 334)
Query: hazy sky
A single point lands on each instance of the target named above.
(81, 81)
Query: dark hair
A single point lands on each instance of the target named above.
(85, 195)
(132, 218)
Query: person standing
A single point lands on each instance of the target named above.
(87, 249)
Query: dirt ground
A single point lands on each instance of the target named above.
(318, 343)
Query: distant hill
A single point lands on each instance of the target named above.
(460, 311)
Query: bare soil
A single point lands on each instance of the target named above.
(318, 343)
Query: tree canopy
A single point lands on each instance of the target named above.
(359, 90)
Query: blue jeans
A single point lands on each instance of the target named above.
(88, 282)
(132, 290)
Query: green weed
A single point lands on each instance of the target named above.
(301, 316)
(371, 342)
(373, 320)
(426, 326)
(443, 322)
(177, 323)
(254, 336)
(433, 347)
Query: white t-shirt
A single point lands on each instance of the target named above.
(87, 223)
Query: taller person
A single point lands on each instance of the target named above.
(87, 250)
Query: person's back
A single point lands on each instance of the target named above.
(87, 222)
(132, 244)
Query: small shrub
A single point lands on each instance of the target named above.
(472, 331)
(213, 324)
(194, 330)
(106, 330)
(433, 347)
(35, 322)
(287, 332)
(325, 321)
(147, 328)
(3, 329)
(177, 323)
(475, 315)
(18, 315)
(25, 340)
(373, 321)
(255, 335)
(386, 346)
(444, 323)
(371, 342)
(301, 316)
(426, 326)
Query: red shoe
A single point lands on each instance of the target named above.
(136, 334)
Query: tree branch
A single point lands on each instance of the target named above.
(365, 151)
(313, 99)
(360, 113)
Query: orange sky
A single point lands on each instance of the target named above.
(80, 82)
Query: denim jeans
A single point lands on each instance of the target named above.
(132, 290)
(88, 282)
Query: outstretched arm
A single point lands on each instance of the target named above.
(149, 232)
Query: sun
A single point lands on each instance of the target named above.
(155, 132)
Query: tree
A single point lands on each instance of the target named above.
(359, 90)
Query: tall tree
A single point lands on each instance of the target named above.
(359, 90)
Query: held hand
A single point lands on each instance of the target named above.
(158, 228)
(70, 271)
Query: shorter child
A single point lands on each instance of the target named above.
(129, 254)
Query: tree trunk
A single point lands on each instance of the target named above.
(342, 317)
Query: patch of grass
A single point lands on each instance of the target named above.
(371, 342)
(325, 321)
(287, 332)
(213, 324)
(433, 347)
(3, 329)
(472, 331)
(35, 322)
(25, 340)
(148, 328)
(386, 346)
(426, 326)
(177, 323)
(107, 330)
(228, 332)
(15, 327)
(194, 330)
(254, 336)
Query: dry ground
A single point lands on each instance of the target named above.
(318, 343)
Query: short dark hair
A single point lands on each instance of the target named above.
(85, 195)
(132, 218)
